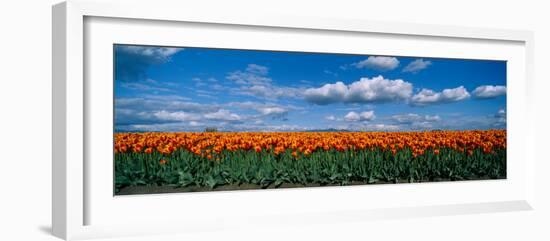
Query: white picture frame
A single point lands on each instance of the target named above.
(73, 185)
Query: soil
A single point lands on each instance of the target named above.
(132, 190)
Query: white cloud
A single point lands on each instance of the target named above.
(257, 69)
(369, 127)
(150, 85)
(417, 65)
(271, 110)
(414, 118)
(330, 118)
(379, 63)
(432, 118)
(222, 115)
(269, 91)
(366, 90)
(168, 103)
(261, 107)
(176, 116)
(381, 127)
(132, 61)
(412, 121)
(275, 110)
(144, 87)
(489, 91)
(352, 116)
(157, 53)
(363, 116)
(253, 75)
(199, 82)
(262, 127)
(501, 115)
(195, 123)
(424, 125)
(165, 97)
(190, 106)
(378, 89)
(427, 96)
(217, 87)
(244, 78)
(328, 93)
(499, 120)
(254, 82)
(179, 126)
(326, 71)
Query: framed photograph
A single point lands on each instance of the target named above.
(210, 122)
(195, 119)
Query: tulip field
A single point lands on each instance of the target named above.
(203, 161)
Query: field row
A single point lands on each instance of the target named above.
(209, 144)
(182, 168)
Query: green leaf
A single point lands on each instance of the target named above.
(211, 182)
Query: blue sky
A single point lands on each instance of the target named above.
(189, 89)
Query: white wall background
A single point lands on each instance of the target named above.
(25, 122)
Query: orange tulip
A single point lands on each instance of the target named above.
(213, 144)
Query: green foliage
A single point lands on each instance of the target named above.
(210, 129)
(330, 167)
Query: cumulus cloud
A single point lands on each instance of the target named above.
(352, 116)
(417, 65)
(327, 94)
(363, 116)
(378, 89)
(489, 91)
(380, 63)
(330, 118)
(429, 97)
(366, 90)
